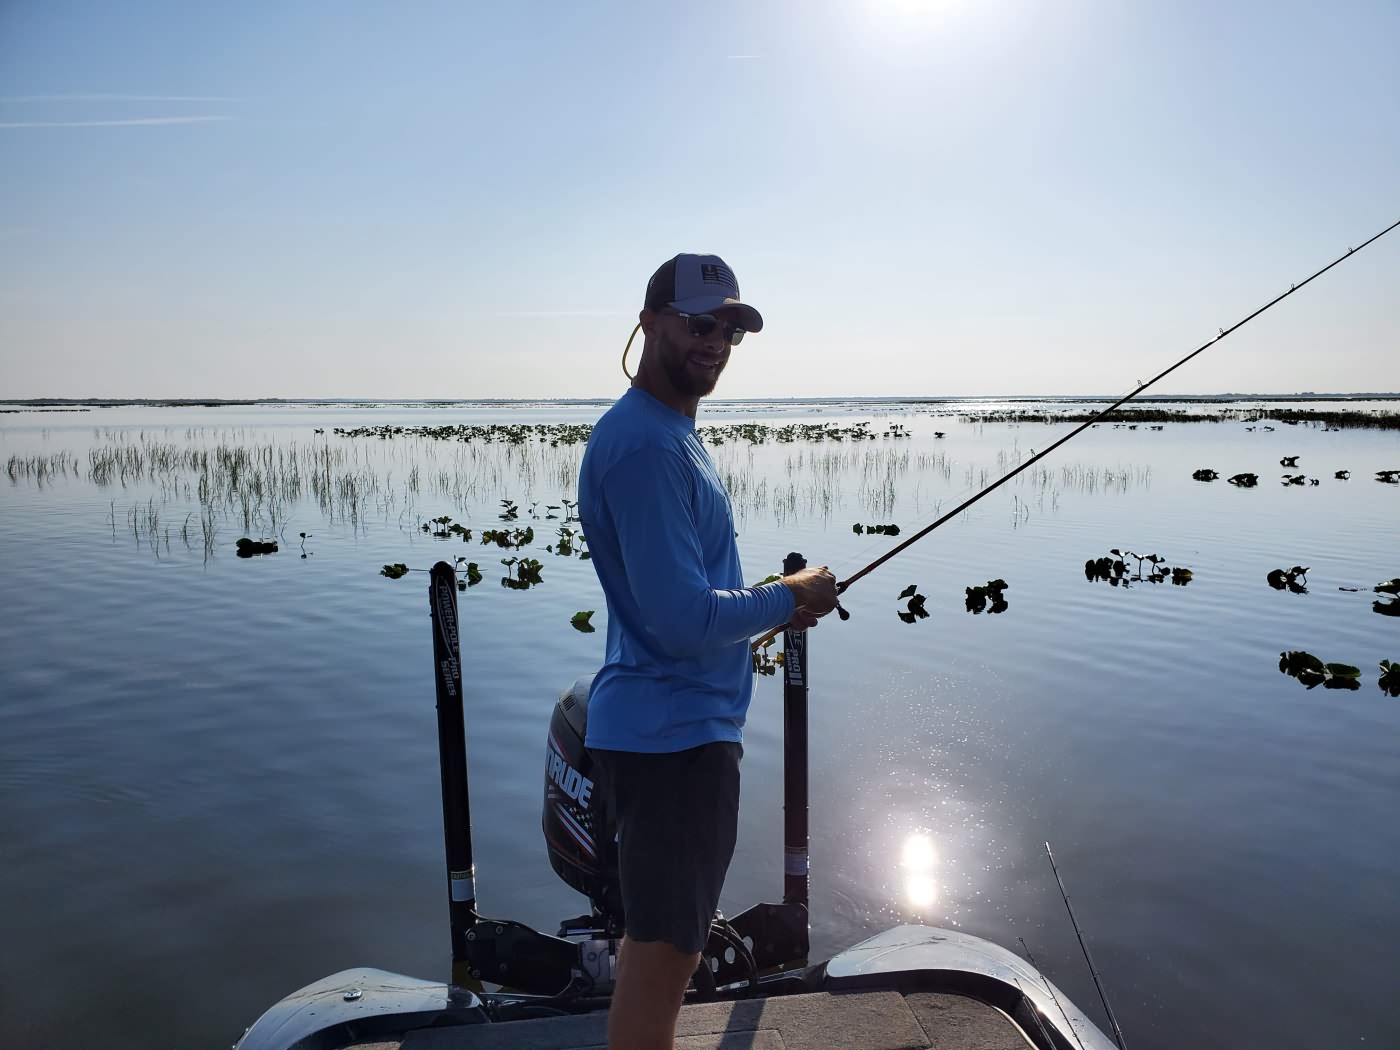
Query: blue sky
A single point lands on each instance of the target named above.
(922, 196)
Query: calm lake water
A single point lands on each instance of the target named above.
(219, 778)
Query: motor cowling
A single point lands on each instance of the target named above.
(578, 829)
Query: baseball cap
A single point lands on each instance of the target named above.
(699, 284)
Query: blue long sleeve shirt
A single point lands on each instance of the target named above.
(677, 672)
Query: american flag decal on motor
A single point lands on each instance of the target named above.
(718, 273)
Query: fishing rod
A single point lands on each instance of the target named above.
(1093, 970)
(842, 586)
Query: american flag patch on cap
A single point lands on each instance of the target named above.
(717, 273)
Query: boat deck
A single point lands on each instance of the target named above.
(857, 1020)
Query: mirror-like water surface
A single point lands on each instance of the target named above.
(219, 780)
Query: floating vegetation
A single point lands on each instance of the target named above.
(446, 528)
(1390, 608)
(580, 622)
(1342, 475)
(521, 573)
(565, 545)
(472, 570)
(1294, 580)
(1245, 481)
(1114, 569)
(1288, 461)
(1300, 479)
(508, 539)
(759, 433)
(1390, 678)
(1312, 672)
(1388, 587)
(914, 610)
(1206, 474)
(876, 530)
(394, 571)
(554, 434)
(1389, 477)
(253, 548)
(979, 598)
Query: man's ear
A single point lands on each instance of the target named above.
(648, 320)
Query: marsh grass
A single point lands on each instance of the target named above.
(194, 482)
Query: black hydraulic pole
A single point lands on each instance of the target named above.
(795, 861)
(452, 749)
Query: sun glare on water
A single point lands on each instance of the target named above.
(918, 860)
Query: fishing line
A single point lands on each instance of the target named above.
(1221, 334)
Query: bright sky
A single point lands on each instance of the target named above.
(315, 199)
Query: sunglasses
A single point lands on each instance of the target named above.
(701, 325)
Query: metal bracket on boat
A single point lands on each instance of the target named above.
(514, 955)
(776, 935)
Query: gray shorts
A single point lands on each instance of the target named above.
(677, 818)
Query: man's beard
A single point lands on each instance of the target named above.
(683, 379)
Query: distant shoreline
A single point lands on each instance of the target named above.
(61, 403)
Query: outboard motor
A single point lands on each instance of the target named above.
(578, 829)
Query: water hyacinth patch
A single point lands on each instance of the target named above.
(1391, 607)
(446, 528)
(914, 609)
(1205, 474)
(759, 433)
(1114, 569)
(1245, 481)
(508, 539)
(1288, 461)
(472, 570)
(394, 571)
(496, 433)
(579, 621)
(1389, 681)
(1312, 672)
(1294, 580)
(526, 573)
(1390, 477)
(570, 541)
(876, 530)
(991, 594)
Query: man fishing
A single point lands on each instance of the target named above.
(667, 708)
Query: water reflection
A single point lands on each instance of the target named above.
(918, 862)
